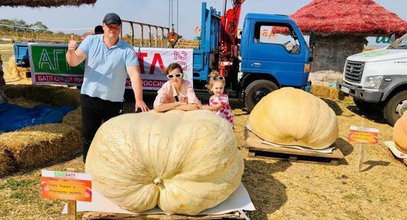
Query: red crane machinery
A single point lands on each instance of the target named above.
(228, 41)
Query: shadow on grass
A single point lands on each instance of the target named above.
(334, 106)
(373, 163)
(376, 116)
(267, 193)
(345, 146)
(346, 149)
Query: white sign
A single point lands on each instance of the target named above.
(152, 60)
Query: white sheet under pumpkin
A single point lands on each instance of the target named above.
(184, 162)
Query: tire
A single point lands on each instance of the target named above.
(395, 108)
(256, 90)
(365, 106)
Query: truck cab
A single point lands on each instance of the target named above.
(21, 54)
(377, 80)
(272, 54)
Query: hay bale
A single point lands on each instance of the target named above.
(12, 67)
(16, 71)
(37, 145)
(74, 118)
(6, 162)
(326, 92)
(52, 95)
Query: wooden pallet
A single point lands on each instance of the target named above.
(101, 215)
(260, 150)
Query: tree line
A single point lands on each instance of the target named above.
(20, 30)
(7, 25)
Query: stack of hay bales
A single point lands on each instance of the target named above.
(41, 144)
(327, 92)
(15, 71)
(324, 84)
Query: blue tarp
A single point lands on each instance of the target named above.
(13, 117)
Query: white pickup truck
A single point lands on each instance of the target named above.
(377, 80)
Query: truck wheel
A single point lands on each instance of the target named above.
(256, 90)
(395, 108)
(365, 106)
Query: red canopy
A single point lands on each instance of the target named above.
(349, 16)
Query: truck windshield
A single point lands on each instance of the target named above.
(400, 43)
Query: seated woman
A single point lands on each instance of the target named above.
(176, 93)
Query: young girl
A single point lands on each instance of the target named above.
(219, 101)
(176, 93)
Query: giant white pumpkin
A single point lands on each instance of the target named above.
(400, 133)
(291, 116)
(184, 162)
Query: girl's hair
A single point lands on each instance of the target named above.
(214, 77)
(172, 67)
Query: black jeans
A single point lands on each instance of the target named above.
(95, 111)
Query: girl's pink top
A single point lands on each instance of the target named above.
(225, 111)
(167, 94)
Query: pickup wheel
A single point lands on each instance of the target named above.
(365, 106)
(395, 108)
(256, 90)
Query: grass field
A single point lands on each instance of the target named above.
(278, 189)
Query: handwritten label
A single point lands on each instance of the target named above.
(363, 135)
(66, 186)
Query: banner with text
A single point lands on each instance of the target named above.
(48, 65)
(152, 60)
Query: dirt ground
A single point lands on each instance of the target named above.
(279, 189)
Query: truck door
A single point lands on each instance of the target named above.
(275, 48)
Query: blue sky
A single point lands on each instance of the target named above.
(80, 19)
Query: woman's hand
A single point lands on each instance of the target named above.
(188, 107)
(181, 103)
(199, 103)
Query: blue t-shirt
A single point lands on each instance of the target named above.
(105, 69)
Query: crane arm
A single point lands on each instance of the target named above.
(228, 42)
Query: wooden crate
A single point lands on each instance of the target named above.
(100, 215)
(260, 150)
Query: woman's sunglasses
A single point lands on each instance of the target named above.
(178, 75)
(218, 78)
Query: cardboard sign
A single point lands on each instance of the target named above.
(363, 135)
(48, 65)
(66, 186)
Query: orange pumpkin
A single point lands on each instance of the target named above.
(400, 133)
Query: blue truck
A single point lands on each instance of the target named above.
(270, 53)
(266, 59)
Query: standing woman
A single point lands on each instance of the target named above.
(176, 93)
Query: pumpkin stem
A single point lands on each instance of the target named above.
(157, 181)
